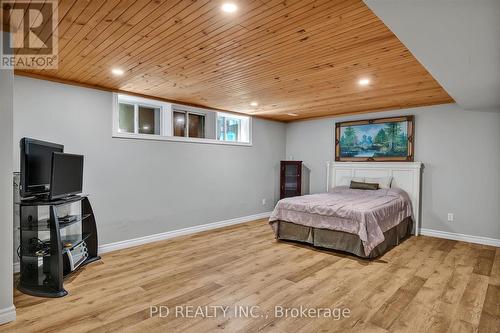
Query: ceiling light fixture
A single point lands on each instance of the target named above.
(229, 7)
(292, 114)
(254, 104)
(117, 71)
(364, 82)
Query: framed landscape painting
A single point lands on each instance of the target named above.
(384, 139)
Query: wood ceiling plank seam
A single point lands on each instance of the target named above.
(294, 74)
(408, 88)
(326, 94)
(81, 23)
(278, 69)
(175, 29)
(302, 106)
(97, 32)
(127, 40)
(217, 35)
(64, 6)
(148, 73)
(151, 44)
(116, 23)
(271, 46)
(307, 70)
(128, 58)
(271, 37)
(113, 59)
(102, 53)
(137, 22)
(67, 21)
(101, 40)
(291, 45)
(47, 25)
(329, 114)
(322, 97)
(26, 17)
(160, 53)
(68, 45)
(278, 74)
(72, 15)
(334, 74)
(10, 13)
(287, 81)
(351, 96)
(359, 103)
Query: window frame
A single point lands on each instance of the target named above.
(240, 127)
(186, 123)
(136, 102)
(166, 121)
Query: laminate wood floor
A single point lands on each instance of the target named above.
(423, 285)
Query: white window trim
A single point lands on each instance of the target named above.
(187, 110)
(166, 116)
(243, 118)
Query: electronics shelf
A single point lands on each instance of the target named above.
(48, 245)
(45, 224)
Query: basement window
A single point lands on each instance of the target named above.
(232, 128)
(141, 118)
(189, 124)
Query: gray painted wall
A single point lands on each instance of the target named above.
(6, 201)
(143, 187)
(461, 153)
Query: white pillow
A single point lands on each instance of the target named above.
(383, 182)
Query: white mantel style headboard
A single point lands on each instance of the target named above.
(406, 175)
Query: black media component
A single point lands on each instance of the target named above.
(36, 166)
(66, 175)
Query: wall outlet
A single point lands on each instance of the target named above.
(450, 217)
(264, 202)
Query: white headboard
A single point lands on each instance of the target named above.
(406, 175)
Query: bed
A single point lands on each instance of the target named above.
(366, 223)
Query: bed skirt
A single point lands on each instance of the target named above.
(343, 241)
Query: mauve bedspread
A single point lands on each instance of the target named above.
(366, 213)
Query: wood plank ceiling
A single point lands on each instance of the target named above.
(296, 58)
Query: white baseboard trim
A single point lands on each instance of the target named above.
(7, 314)
(171, 234)
(460, 237)
(180, 232)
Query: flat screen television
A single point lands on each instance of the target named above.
(67, 175)
(36, 164)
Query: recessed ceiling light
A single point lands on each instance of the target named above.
(117, 71)
(292, 114)
(229, 7)
(364, 82)
(145, 127)
(254, 104)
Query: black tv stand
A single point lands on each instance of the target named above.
(45, 243)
